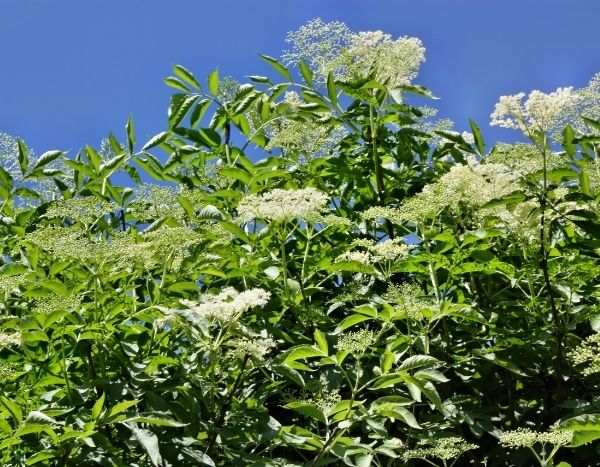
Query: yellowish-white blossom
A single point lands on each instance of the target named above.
(282, 205)
(587, 355)
(409, 299)
(155, 202)
(357, 256)
(229, 304)
(10, 339)
(540, 112)
(86, 210)
(395, 62)
(471, 185)
(319, 45)
(54, 303)
(9, 370)
(167, 242)
(389, 250)
(522, 220)
(9, 284)
(377, 213)
(376, 252)
(257, 347)
(523, 159)
(304, 139)
(334, 48)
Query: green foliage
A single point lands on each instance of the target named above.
(368, 293)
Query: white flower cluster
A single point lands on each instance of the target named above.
(9, 150)
(524, 437)
(376, 252)
(356, 342)
(303, 139)
(389, 250)
(85, 210)
(440, 448)
(408, 298)
(333, 220)
(588, 106)
(333, 47)
(522, 220)
(229, 304)
(588, 353)
(299, 138)
(10, 339)
(471, 185)
(155, 202)
(9, 284)
(376, 213)
(523, 159)
(164, 242)
(362, 257)
(256, 348)
(54, 303)
(282, 205)
(123, 250)
(8, 370)
(394, 62)
(319, 45)
(540, 112)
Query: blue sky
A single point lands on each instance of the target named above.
(74, 70)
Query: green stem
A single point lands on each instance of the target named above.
(556, 319)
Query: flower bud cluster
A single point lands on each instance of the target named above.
(356, 342)
(524, 437)
(588, 353)
(440, 448)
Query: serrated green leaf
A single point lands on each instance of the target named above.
(176, 83)
(186, 76)
(321, 340)
(418, 361)
(23, 154)
(45, 159)
(156, 140)
(306, 73)
(278, 67)
(98, 406)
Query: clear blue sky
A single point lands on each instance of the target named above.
(73, 70)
